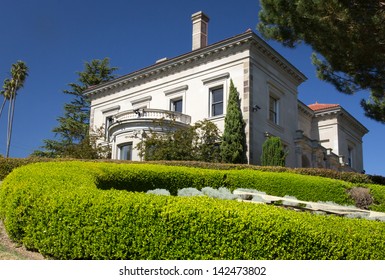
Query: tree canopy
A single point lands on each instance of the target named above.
(74, 139)
(198, 142)
(348, 35)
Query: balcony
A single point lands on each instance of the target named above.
(153, 114)
(132, 120)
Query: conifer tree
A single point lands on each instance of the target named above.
(73, 129)
(233, 145)
(273, 153)
(349, 37)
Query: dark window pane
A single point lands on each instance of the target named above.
(177, 105)
(126, 151)
(217, 102)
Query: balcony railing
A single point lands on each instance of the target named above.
(153, 114)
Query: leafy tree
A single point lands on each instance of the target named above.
(349, 35)
(19, 72)
(198, 142)
(73, 130)
(207, 139)
(273, 153)
(233, 145)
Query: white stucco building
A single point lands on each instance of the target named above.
(195, 86)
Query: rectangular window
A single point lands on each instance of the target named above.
(216, 98)
(125, 151)
(273, 110)
(177, 105)
(350, 156)
(109, 121)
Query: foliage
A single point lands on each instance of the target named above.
(349, 35)
(220, 193)
(361, 196)
(233, 145)
(197, 142)
(159, 192)
(19, 72)
(273, 153)
(73, 130)
(66, 216)
(7, 165)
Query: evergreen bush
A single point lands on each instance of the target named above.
(273, 153)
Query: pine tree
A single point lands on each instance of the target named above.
(273, 153)
(73, 129)
(349, 37)
(233, 145)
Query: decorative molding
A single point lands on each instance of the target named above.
(216, 78)
(141, 100)
(305, 109)
(115, 108)
(175, 90)
(218, 48)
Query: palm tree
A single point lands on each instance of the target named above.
(5, 92)
(19, 72)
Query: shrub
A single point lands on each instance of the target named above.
(273, 153)
(221, 193)
(159, 192)
(8, 164)
(361, 197)
(57, 209)
(189, 192)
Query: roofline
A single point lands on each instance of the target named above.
(342, 111)
(243, 38)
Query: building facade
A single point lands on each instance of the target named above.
(195, 86)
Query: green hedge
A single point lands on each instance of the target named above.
(68, 210)
(7, 165)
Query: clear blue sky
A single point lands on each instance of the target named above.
(55, 38)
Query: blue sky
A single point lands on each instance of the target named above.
(55, 38)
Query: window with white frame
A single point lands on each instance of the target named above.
(216, 101)
(176, 98)
(274, 109)
(108, 123)
(125, 151)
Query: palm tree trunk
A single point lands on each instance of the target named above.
(2, 106)
(11, 113)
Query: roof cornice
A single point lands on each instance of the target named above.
(342, 113)
(247, 37)
(305, 109)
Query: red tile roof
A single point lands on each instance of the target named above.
(317, 107)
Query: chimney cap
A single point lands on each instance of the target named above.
(200, 15)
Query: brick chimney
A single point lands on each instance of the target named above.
(199, 33)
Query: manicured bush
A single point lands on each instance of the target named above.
(280, 184)
(7, 165)
(60, 210)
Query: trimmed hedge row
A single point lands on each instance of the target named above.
(7, 165)
(144, 177)
(68, 211)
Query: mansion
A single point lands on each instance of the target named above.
(195, 86)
